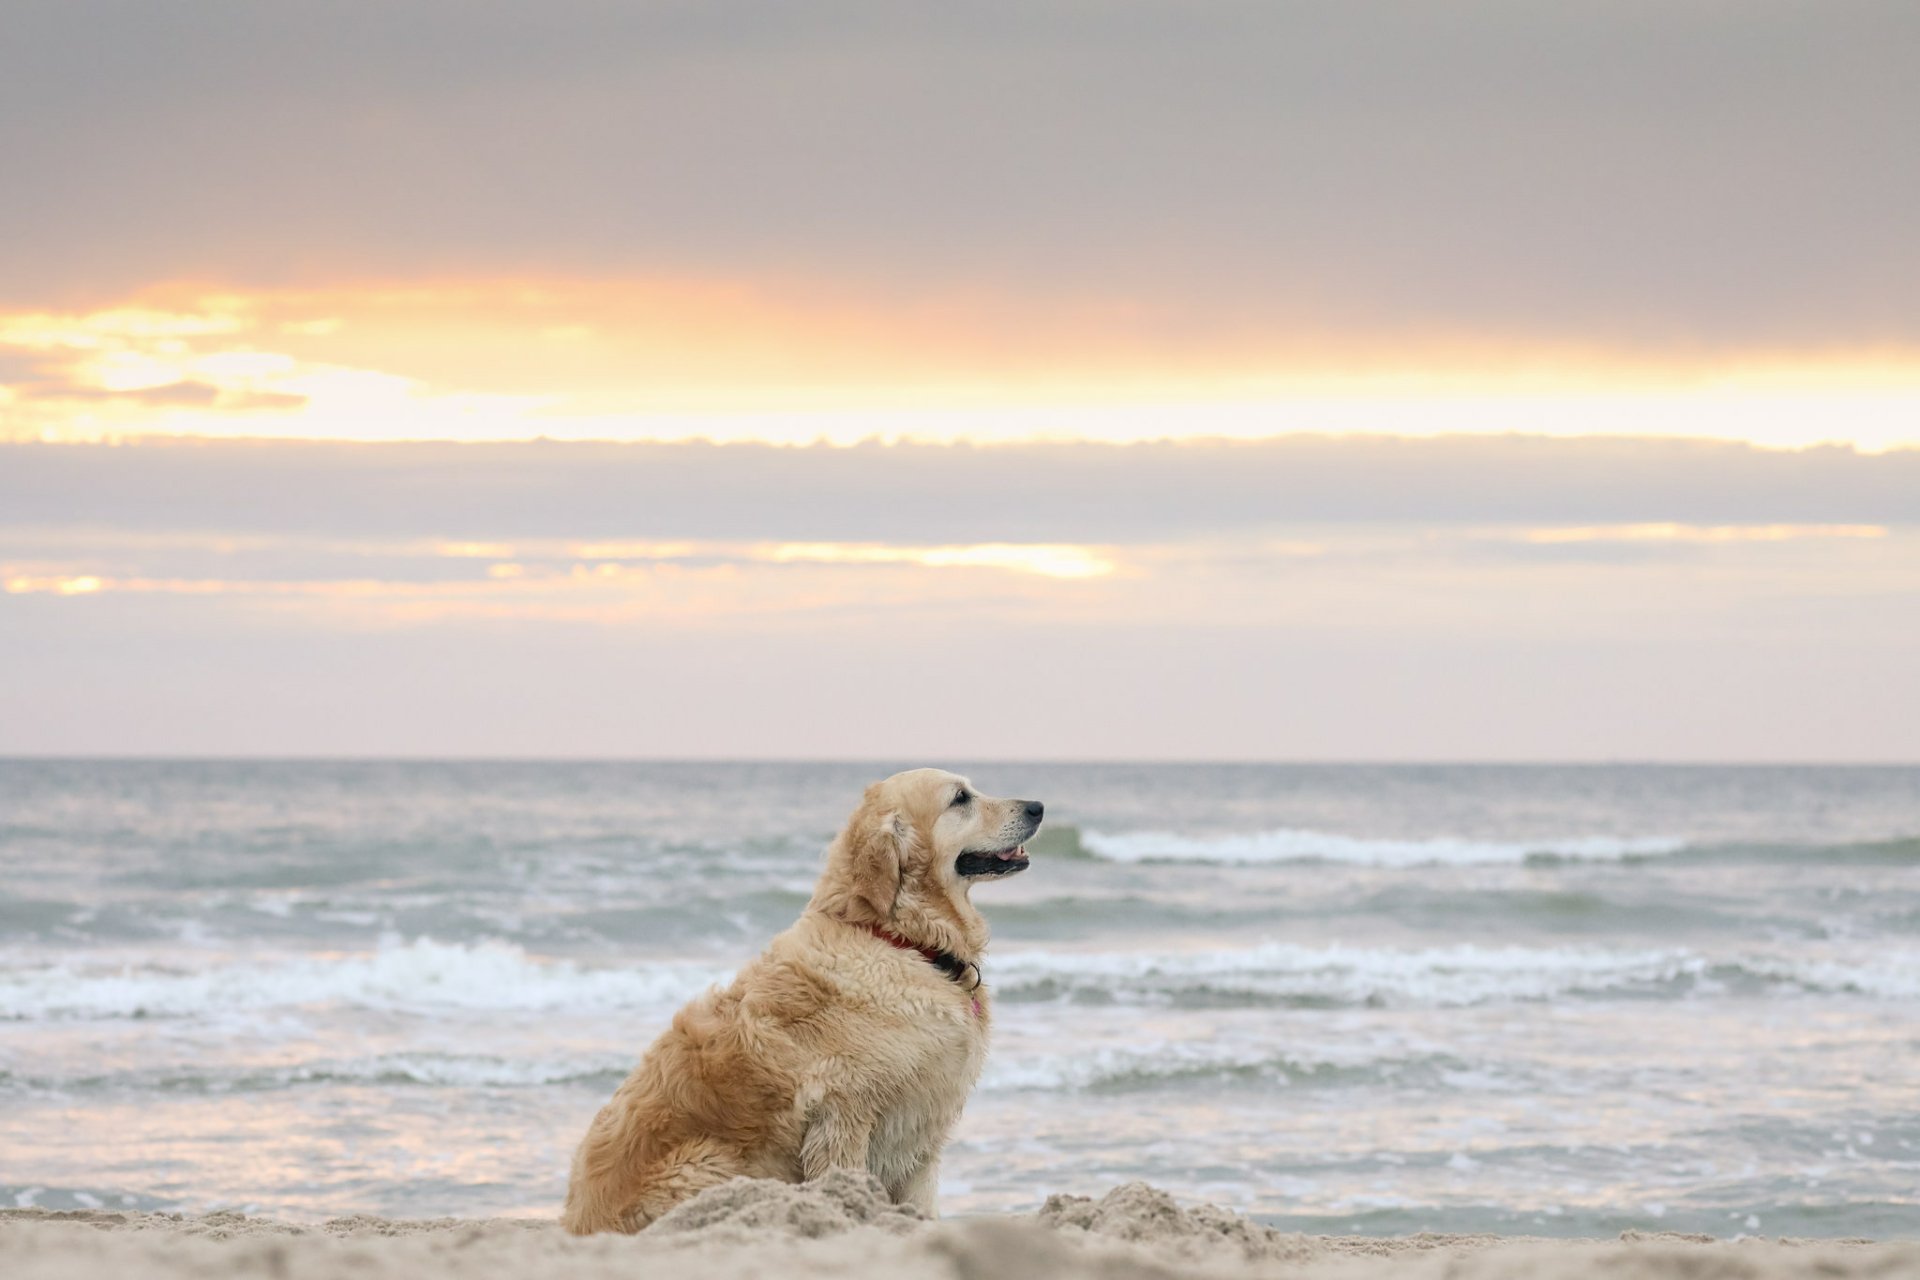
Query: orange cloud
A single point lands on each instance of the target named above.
(689, 359)
(618, 567)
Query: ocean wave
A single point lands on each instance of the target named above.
(1101, 1070)
(1287, 973)
(385, 1070)
(40, 1196)
(1125, 1070)
(423, 975)
(1290, 975)
(1290, 844)
(1285, 845)
(428, 977)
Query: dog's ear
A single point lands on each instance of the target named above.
(863, 866)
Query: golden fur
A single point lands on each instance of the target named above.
(834, 1048)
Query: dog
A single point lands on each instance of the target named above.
(851, 1042)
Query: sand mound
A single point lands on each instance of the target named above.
(1140, 1214)
(845, 1200)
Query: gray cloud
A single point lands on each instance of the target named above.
(1446, 636)
(35, 377)
(933, 494)
(1628, 171)
(39, 376)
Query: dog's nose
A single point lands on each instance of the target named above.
(1034, 809)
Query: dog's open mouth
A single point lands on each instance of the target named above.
(996, 862)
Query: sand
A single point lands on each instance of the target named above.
(843, 1226)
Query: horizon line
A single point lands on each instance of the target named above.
(1486, 762)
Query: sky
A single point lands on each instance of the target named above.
(1153, 380)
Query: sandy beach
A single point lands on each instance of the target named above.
(843, 1226)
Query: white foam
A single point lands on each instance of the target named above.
(430, 977)
(1108, 1065)
(1290, 844)
(471, 1071)
(1017, 1068)
(386, 1069)
(1892, 974)
(1442, 977)
(421, 975)
(1438, 976)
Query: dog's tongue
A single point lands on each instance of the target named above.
(1008, 855)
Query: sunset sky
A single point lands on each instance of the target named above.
(1487, 380)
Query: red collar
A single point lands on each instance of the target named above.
(945, 961)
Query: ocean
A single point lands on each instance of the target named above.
(1371, 999)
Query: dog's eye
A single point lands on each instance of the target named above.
(959, 800)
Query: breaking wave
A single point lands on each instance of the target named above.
(1289, 844)
(1117, 1070)
(430, 977)
(385, 1070)
(1299, 845)
(1287, 975)
(423, 976)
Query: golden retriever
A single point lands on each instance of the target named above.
(851, 1042)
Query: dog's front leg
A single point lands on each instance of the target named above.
(835, 1139)
(921, 1189)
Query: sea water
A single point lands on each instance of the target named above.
(1559, 1001)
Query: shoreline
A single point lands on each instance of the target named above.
(844, 1226)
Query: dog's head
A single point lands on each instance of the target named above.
(911, 853)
